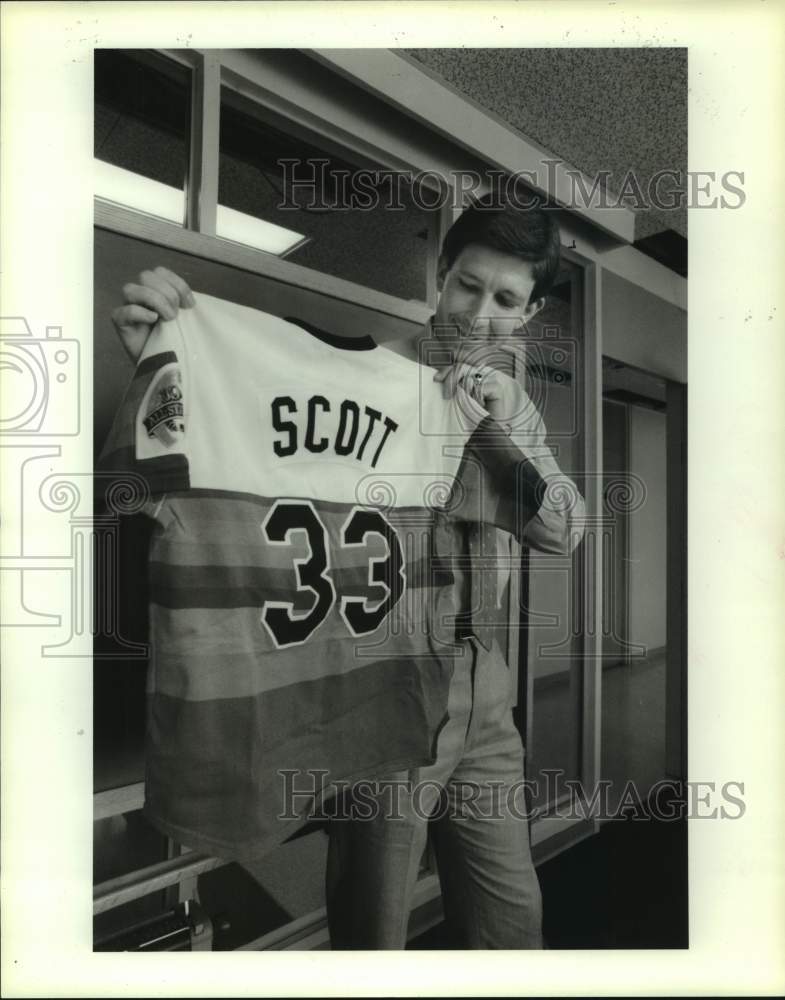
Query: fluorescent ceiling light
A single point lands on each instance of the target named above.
(135, 191)
(253, 232)
(154, 198)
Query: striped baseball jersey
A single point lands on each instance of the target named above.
(301, 601)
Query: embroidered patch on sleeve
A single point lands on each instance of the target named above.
(164, 417)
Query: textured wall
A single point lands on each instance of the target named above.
(598, 109)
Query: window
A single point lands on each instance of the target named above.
(380, 248)
(141, 131)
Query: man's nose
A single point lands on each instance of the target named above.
(478, 327)
(479, 320)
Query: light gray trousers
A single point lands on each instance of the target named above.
(474, 797)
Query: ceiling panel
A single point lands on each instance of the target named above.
(603, 109)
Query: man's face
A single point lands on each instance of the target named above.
(485, 295)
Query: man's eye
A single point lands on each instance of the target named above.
(467, 286)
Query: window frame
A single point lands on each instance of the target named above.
(212, 70)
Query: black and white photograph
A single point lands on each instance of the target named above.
(387, 528)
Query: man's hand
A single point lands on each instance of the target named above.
(498, 393)
(157, 294)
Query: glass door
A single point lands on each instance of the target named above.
(635, 490)
(550, 709)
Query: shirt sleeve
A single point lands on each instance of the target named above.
(558, 525)
(496, 483)
(510, 479)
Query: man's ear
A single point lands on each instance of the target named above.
(441, 272)
(533, 308)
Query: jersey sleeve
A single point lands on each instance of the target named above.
(148, 436)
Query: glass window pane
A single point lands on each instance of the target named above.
(123, 844)
(381, 247)
(141, 130)
(250, 900)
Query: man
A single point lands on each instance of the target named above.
(496, 266)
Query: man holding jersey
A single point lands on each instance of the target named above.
(496, 266)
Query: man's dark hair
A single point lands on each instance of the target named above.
(529, 233)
